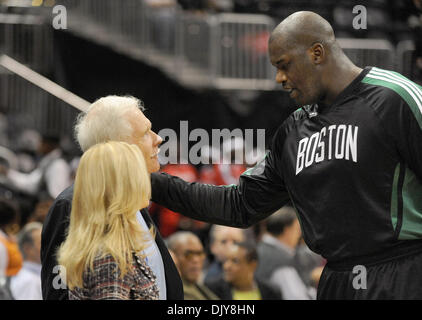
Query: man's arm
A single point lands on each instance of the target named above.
(260, 193)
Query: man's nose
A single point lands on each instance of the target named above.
(280, 77)
(158, 139)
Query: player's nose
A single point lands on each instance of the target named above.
(280, 77)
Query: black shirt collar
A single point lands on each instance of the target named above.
(347, 91)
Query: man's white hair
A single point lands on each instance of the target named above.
(107, 119)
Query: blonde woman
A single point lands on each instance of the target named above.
(103, 252)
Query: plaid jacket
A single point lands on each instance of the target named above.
(104, 282)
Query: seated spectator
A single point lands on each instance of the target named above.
(10, 257)
(190, 255)
(51, 176)
(105, 252)
(221, 239)
(238, 281)
(26, 285)
(276, 254)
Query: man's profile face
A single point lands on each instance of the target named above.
(146, 139)
(295, 72)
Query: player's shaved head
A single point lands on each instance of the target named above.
(310, 64)
(302, 29)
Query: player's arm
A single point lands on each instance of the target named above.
(259, 193)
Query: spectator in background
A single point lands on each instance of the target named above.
(190, 256)
(10, 256)
(276, 255)
(26, 285)
(221, 239)
(238, 281)
(52, 175)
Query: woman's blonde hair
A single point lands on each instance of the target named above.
(112, 183)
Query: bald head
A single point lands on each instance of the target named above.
(180, 239)
(310, 64)
(303, 28)
(189, 253)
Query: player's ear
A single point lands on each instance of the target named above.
(317, 53)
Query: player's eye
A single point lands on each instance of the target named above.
(285, 66)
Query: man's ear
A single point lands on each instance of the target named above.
(317, 53)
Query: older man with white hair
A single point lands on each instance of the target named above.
(112, 118)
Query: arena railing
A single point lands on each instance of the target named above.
(370, 52)
(221, 51)
(28, 39)
(224, 51)
(35, 102)
(240, 42)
